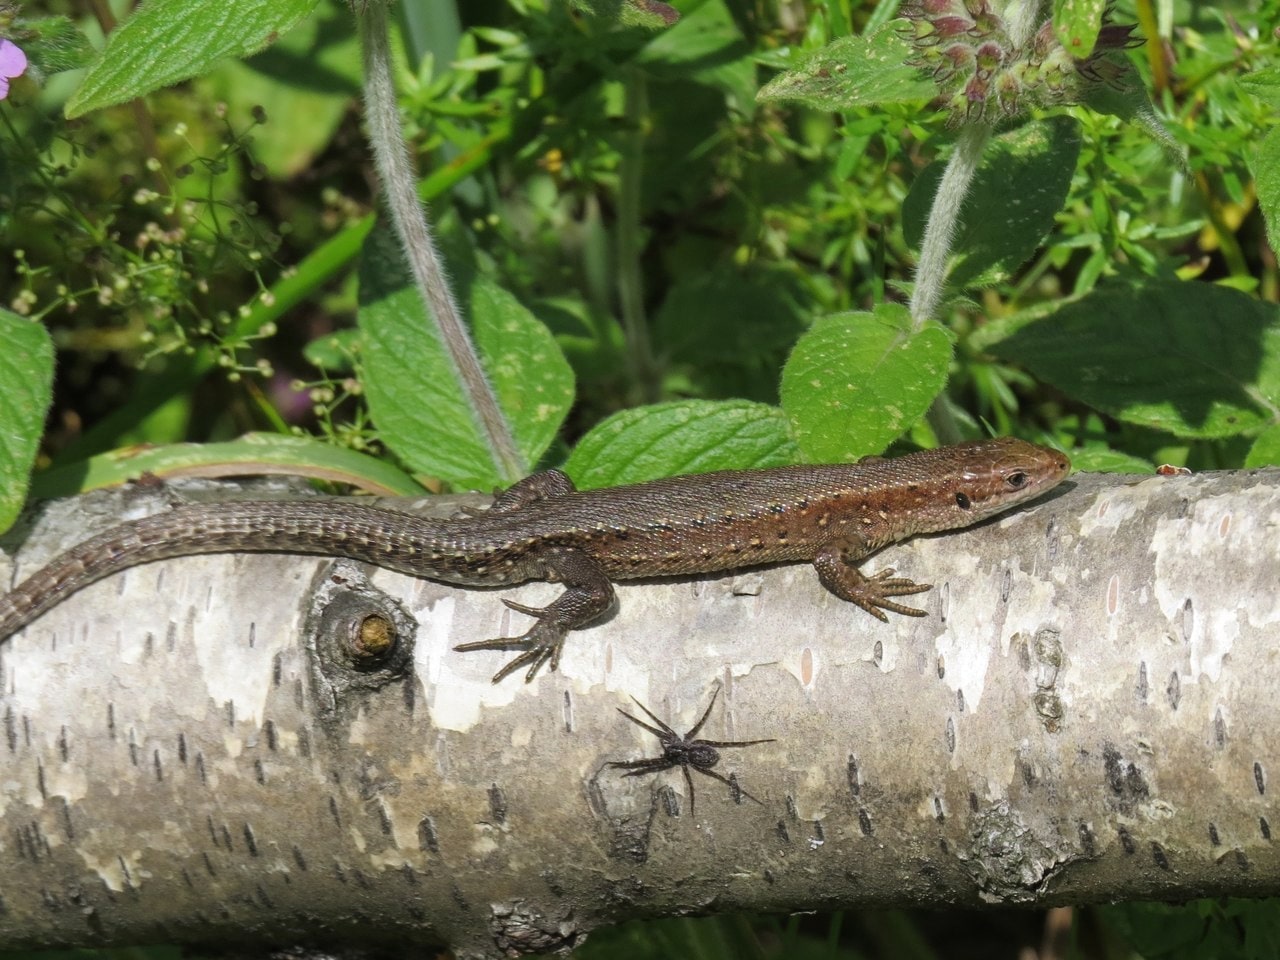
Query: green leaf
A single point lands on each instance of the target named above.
(854, 72)
(1160, 930)
(314, 270)
(26, 390)
(687, 436)
(1106, 460)
(857, 381)
(334, 352)
(533, 380)
(417, 401)
(166, 41)
(1000, 328)
(255, 454)
(734, 326)
(1011, 205)
(1193, 359)
(1077, 24)
(1265, 451)
(1265, 162)
(56, 44)
(415, 397)
(1224, 928)
(706, 46)
(305, 83)
(1128, 100)
(706, 35)
(1264, 83)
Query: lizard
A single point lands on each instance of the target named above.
(543, 528)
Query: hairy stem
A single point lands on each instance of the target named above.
(398, 185)
(944, 217)
(1022, 19)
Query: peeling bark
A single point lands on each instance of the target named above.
(222, 749)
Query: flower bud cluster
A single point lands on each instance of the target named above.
(980, 73)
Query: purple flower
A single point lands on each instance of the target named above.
(13, 63)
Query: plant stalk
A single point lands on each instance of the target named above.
(400, 192)
(944, 217)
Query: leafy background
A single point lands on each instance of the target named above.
(664, 272)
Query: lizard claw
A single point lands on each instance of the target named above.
(536, 612)
(535, 657)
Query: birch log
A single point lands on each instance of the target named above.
(265, 749)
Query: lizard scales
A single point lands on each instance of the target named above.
(543, 529)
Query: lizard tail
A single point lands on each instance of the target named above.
(385, 538)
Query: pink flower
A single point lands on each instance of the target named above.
(13, 63)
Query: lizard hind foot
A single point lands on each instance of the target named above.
(542, 644)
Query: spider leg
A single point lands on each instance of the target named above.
(638, 768)
(688, 782)
(731, 784)
(685, 751)
(665, 734)
(737, 743)
(652, 717)
(706, 713)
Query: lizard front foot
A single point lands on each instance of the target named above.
(543, 642)
(836, 570)
(873, 594)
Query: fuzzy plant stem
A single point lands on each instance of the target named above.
(935, 250)
(944, 217)
(399, 189)
(1023, 18)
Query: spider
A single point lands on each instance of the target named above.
(684, 752)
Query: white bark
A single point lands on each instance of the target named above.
(1088, 713)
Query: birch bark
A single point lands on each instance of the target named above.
(207, 750)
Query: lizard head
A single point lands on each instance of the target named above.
(985, 477)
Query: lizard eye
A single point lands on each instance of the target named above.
(962, 501)
(1017, 480)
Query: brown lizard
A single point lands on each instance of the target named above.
(544, 529)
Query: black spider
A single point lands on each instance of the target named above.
(684, 752)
